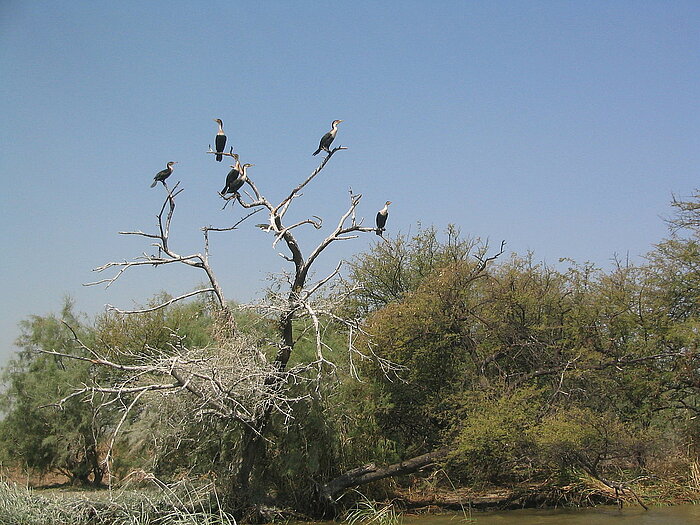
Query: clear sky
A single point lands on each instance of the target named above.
(562, 127)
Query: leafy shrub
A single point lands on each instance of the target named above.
(494, 435)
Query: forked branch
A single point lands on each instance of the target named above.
(166, 255)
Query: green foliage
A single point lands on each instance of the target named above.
(473, 340)
(466, 329)
(423, 334)
(34, 430)
(493, 436)
(397, 266)
(580, 438)
(134, 336)
(71, 439)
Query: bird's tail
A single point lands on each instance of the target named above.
(219, 157)
(223, 192)
(317, 151)
(154, 183)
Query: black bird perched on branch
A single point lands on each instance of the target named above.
(382, 216)
(163, 174)
(328, 138)
(236, 178)
(232, 176)
(220, 141)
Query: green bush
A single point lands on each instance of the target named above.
(579, 438)
(493, 439)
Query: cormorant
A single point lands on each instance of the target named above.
(382, 216)
(220, 141)
(163, 174)
(236, 178)
(234, 174)
(328, 138)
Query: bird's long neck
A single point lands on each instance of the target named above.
(334, 128)
(385, 209)
(221, 129)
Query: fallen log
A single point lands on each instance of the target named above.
(369, 473)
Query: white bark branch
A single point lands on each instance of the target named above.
(162, 305)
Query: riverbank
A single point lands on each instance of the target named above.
(583, 492)
(148, 500)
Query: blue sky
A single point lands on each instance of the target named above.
(562, 127)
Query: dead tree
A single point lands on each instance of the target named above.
(235, 382)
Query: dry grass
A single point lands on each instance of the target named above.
(179, 504)
(694, 481)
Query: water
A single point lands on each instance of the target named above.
(678, 515)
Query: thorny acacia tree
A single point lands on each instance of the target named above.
(236, 382)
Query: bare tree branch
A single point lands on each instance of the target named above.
(223, 153)
(281, 208)
(162, 305)
(167, 255)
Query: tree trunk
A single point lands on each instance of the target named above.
(369, 473)
(253, 444)
(252, 447)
